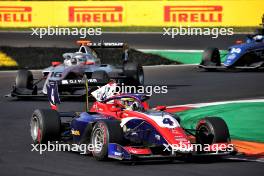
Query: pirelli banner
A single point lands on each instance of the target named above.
(131, 13)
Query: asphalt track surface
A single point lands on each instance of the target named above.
(135, 40)
(187, 85)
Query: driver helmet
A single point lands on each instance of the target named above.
(78, 58)
(258, 38)
(74, 61)
(130, 104)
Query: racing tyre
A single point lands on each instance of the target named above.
(134, 72)
(100, 75)
(211, 57)
(212, 130)
(24, 79)
(45, 125)
(103, 133)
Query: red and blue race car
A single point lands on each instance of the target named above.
(124, 127)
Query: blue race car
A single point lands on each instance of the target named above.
(247, 55)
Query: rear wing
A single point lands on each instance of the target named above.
(102, 44)
(85, 44)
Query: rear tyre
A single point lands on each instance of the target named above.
(45, 125)
(103, 133)
(100, 75)
(134, 73)
(212, 130)
(24, 79)
(211, 57)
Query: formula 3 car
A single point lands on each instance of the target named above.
(247, 55)
(76, 67)
(123, 127)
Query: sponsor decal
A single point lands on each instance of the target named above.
(117, 154)
(164, 121)
(75, 132)
(17, 14)
(56, 74)
(162, 13)
(64, 82)
(77, 81)
(231, 57)
(193, 14)
(235, 50)
(96, 14)
(106, 44)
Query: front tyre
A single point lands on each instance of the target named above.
(24, 79)
(103, 133)
(212, 130)
(211, 57)
(45, 125)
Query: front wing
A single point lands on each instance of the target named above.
(119, 152)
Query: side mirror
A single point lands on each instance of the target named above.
(161, 108)
(115, 109)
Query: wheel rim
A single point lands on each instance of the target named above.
(98, 140)
(205, 136)
(35, 130)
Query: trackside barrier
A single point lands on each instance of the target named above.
(131, 13)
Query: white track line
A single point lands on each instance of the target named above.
(181, 65)
(170, 50)
(12, 71)
(199, 105)
(161, 50)
(245, 158)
